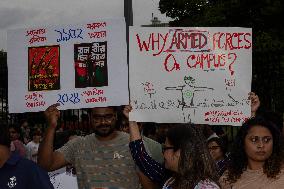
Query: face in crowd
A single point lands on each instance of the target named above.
(37, 137)
(258, 144)
(171, 156)
(185, 151)
(215, 149)
(25, 124)
(14, 135)
(103, 121)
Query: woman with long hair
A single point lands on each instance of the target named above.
(256, 157)
(185, 154)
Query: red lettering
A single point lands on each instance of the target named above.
(234, 57)
(98, 99)
(175, 66)
(144, 45)
(248, 41)
(193, 57)
(35, 104)
(164, 43)
(188, 40)
(231, 41)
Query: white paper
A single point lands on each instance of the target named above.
(78, 65)
(61, 179)
(198, 75)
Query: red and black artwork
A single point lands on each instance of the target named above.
(91, 64)
(44, 68)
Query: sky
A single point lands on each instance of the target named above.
(30, 13)
(143, 9)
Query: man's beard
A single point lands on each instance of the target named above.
(100, 131)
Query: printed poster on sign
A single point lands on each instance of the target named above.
(77, 65)
(197, 75)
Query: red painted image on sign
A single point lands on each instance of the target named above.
(44, 68)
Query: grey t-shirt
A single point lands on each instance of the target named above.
(102, 164)
(154, 149)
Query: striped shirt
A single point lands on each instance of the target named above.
(102, 164)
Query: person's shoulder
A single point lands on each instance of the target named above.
(36, 176)
(150, 141)
(87, 137)
(26, 163)
(122, 138)
(32, 167)
(122, 134)
(75, 142)
(31, 143)
(152, 145)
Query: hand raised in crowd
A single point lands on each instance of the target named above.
(126, 110)
(133, 126)
(255, 103)
(52, 114)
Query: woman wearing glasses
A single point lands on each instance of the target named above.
(256, 158)
(185, 154)
(217, 150)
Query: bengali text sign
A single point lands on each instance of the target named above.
(77, 65)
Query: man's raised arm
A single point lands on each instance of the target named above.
(47, 158)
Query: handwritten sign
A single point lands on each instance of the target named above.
(79, 66)
(198, 75)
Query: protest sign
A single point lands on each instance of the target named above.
(77, 65)
(62, 179)
(198, 75)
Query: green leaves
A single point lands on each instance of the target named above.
(263, 16)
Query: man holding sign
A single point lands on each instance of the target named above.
(102, 159)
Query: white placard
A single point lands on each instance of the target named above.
(198, 75)
(79, 66)
(61, 179)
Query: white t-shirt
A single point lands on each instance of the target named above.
(32, 150)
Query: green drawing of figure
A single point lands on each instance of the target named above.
(188, 91)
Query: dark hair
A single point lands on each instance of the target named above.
(220, 142)
(4, 135)
(17, 128)
(274, 117)
(84, 117)
(149, 128)
(207, 131)
(115, 109)
(239, 162)
(22, 121)
(36, 132)
(195, 163)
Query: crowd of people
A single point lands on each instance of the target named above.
(118, 153)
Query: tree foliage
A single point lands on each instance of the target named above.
(263, 16)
